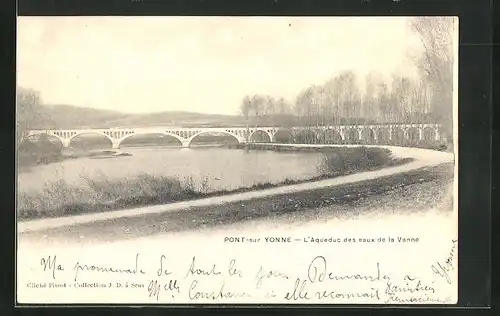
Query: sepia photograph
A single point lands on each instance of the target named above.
(237, 160)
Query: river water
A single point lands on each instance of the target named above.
(221, 168)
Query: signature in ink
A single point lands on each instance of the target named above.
(442, 268)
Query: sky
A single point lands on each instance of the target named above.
(201, 64)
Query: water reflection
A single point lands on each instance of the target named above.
(223, 168)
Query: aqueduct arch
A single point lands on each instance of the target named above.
(261, 134)
(283, 135)
(129, 136)
(398, 135)
(368, 135)
(412, 134)
(187, 142)
(75, 136)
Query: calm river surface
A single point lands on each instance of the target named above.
(223, 168)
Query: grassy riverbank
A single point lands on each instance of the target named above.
(62, 199)
(279, 146)
(424, 189)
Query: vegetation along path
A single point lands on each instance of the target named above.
(422, 159)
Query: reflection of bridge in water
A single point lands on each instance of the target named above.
(350, 134)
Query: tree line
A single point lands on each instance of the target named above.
(342, 101)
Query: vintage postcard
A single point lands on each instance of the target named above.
(237, 160)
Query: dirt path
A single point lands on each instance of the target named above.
(231, 208)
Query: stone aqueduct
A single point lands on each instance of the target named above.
(349, 133)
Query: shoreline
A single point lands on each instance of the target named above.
(112, 153)
(125, 204)
(294, 147)
(401, 160)
(201, 215)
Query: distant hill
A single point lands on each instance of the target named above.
(68, 116)
(176, 119)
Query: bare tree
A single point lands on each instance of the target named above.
(383, 102)
(29, 108)
(257, 103)
(316, 101)
(418, 102)
(245, 109)
(400, 109)
(303, 106)
(260, 109)
(280, 106)
(283, 112)
(369, 99)
(436, 63)
(349, 96)
(332, 99)
(270, 110)
(306, 111)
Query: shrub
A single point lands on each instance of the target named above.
(346, 160)
(60, 198)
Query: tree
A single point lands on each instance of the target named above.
(303, 106)
(266, 110)
(419, 102)
(283, 112)
(383, 102)
(29, 108)
(245, 107)
(257, 103)
(282, 107)
(332, 99)
(401, 88)
(319, 105)
(349, 94)
(436, 64)
(269, 109)
(368, 103)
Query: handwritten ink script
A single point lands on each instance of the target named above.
(444, 267)
(164, 278)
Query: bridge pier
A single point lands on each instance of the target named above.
(115, 145)
(342, 133)
(186, 144)
(65, 142)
